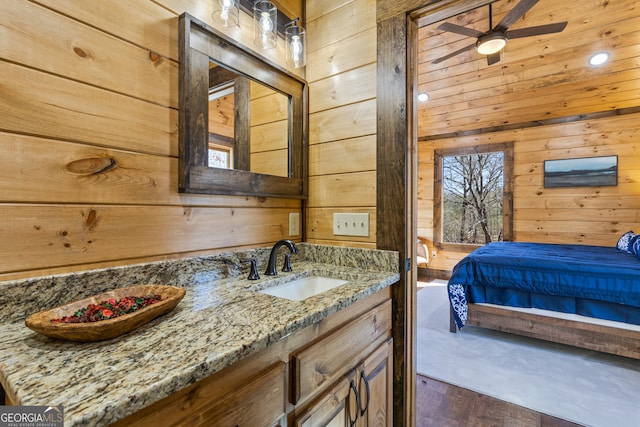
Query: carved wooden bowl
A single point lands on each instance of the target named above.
(109, 328)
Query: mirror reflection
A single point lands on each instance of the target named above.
(242, 119)
(236, 102)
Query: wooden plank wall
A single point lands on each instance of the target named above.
(544, 97)
(269, 130)
(341, 71)
(89, 140)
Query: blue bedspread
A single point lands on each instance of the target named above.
(595, 273)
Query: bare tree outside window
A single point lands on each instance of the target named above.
(472, 198)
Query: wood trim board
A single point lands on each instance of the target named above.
(606, 339)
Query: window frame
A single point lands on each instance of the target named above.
(507, 192)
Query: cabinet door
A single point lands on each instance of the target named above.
(338, 407)
(363, 398)
(375, 386)
(330, 409)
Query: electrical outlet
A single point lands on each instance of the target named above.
(294, 224)
(351, 224)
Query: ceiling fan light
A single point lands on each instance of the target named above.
(491, 43)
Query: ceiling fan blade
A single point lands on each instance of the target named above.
(453, 28)
(451, 55)
(493, 58)
(514, 14)
(536, 31)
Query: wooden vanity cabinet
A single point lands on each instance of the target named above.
(331, 408)
(361, 398)
(310, 378)
(375, 386)
(257, 403)
(254, 400)
(322, 361)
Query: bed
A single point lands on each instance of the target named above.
(586, 296)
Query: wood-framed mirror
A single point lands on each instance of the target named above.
(261, 148)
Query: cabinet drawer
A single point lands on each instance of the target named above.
(326, 359)
(261, 402)
(256, 400)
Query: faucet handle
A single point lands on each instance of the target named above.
(253, 269)
(287, 262)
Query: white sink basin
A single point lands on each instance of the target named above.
(300, 289)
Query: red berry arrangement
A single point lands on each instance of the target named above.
(109, 309)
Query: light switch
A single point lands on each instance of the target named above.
(294, 224)
(351, 224)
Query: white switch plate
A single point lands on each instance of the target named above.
(294, 224)
(351, 224)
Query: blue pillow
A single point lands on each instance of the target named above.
(623, 242)
(636, 246)
(632, 242)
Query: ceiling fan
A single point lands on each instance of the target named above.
(492, 42)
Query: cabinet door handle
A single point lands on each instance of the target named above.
(352, 387)
(366, 385)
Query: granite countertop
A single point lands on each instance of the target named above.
(221, 320)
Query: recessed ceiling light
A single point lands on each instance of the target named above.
(422, 97)
(599, 58)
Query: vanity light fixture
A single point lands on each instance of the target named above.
(265, 24)
(296, 44)
(599, 58)
(226, 12)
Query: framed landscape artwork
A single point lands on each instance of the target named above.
(584, 172)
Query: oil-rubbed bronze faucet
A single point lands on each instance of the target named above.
(253, 269)
(271, 266)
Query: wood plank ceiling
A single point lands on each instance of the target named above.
(538, 77)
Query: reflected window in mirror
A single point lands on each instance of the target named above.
(268, 112)
(221, 125)
(220, 156)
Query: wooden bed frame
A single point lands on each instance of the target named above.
(607, 339)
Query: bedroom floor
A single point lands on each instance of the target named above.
(439, 404)
(443, 405)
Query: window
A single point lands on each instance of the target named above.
(473, 198)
